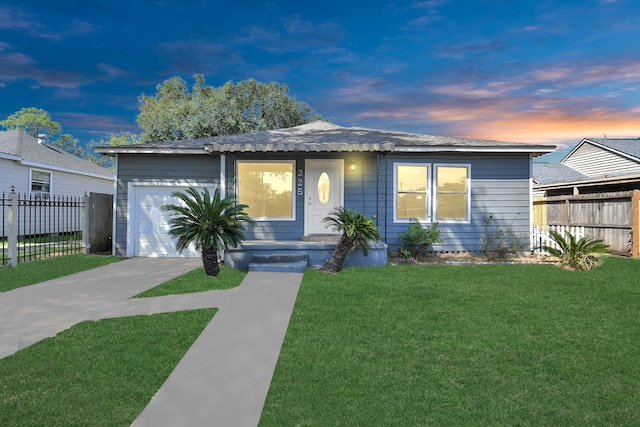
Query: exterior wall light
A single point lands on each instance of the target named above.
(352, 166)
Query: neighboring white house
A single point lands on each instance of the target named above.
(32, 167)
(595, 165)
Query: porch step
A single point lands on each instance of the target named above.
(328, 238)
(282, 263)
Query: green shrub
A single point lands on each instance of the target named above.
(579, 254)
(500, 243)
(417, 241)
(357, 229)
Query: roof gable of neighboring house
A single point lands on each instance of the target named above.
(19, 146)
(598, 158)
(552, 173)
(321, 136)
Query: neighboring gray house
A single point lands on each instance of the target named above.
(292, 178)
(595, 165)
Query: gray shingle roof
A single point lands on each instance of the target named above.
(552, 173)
(322, 136)
(19, 144)
(628, 146)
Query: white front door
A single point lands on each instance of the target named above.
(324, 191)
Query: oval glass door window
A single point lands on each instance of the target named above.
(324, 188)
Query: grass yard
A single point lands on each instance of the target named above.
(462, 345)
(31, 272)
(197, 281)
(96, 373)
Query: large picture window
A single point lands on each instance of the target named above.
(267, 188)
(452, 193)
(412, 192)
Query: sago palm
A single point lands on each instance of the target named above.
(356, 229)
(579, 254)
(212, 223)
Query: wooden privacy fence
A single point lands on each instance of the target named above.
(611, 217)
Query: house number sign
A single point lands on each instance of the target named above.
(300, 182)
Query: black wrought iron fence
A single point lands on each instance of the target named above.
(3, 237)
(35, 227)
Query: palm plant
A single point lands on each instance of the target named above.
(579, 254)
(211, 223)
(356, 229)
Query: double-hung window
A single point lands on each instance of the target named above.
(267, 189)
(452, 193)
(40, 183)
(412, 192)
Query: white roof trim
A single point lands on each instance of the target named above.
(514, 149)
(593, 181)
(59, 169)
(599, 145)
(10, 157)
(147, 150)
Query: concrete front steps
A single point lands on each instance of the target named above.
(280, 263)
(318, 253)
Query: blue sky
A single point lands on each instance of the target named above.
(548, 72)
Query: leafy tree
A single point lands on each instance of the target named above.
(34, 121)
(68, 143)
(212, 223)
(114, 140)
(178, 112)
(578, 254)
(356, 229)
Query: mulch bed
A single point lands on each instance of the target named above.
(395, 258)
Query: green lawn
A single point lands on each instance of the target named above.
(99, 373)
(96, 373)
(400, 345)
(462, 345)
(28, 273)
(197, 281)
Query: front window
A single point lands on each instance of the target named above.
(452, 193)
(412, 192)
(267, 188)
(40, 183)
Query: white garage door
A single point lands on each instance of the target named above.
(150, 230)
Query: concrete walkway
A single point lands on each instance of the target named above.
(223, 378)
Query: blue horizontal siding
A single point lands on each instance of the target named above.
(499, 186)
(197, 169)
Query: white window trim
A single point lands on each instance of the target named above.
(434, 193)
(31, 192)
(429, 193)
(293, 189)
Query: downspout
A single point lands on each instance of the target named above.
(223, 176)
(115, 206)
(532, 242)
(381, 180)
